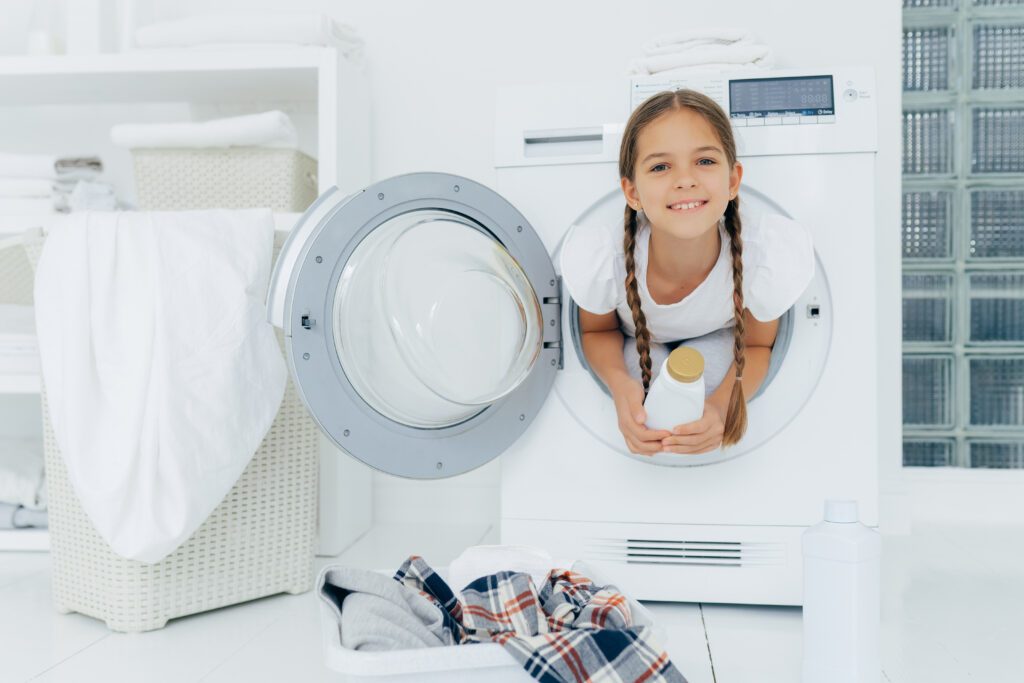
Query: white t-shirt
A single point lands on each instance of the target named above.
(778, 264)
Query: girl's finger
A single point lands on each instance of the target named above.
(697, 448)
(640, 448)
(689, 441)
(651, 447)
(644, 434)
(644, 450)
(696, 427)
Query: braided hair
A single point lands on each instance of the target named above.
(651, 109)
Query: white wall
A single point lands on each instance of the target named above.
(434, 67)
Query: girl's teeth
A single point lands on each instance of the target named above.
(691, 205)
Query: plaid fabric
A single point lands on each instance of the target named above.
(571, 632)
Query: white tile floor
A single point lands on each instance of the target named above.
(953, 610)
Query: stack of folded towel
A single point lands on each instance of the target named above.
(22, 485)
(253, 28)
(43, 184)
(702, 49)
(269, 129)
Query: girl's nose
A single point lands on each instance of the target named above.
(685, 180)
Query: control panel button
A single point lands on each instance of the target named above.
(827, 119)
(849, 94)
(790, 120)
(773, 120)
(739, 123)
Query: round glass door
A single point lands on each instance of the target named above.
(434, 319)
(422, 322)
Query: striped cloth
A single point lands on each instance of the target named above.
(571, 632)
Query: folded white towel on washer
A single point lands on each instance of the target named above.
(162, 374)
(271, 27)
(689, 38)
(706, 57)
(710, 48)
(269, 129)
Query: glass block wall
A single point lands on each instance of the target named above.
(963, 233)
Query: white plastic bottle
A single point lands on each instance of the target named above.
(842, 598)
(677, 393)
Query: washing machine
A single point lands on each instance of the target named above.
(428, 332)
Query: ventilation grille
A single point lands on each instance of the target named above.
(672, 552)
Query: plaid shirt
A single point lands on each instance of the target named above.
(571, 632)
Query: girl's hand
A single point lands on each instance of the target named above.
(629, 405)
(700, 436)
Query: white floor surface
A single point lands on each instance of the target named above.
(952, 611)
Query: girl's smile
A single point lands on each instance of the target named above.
(689, 207)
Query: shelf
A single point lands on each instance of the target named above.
(198, 76)
(25, 539)
(268, 77)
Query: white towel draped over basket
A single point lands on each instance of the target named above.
(161, 372)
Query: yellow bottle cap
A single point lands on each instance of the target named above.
(685, 364)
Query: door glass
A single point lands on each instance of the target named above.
(434, 320)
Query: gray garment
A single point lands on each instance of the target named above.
(716, 348)
(376, 613)
(20, 517)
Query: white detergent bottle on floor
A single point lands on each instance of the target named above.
(842, 598)
(677, 393)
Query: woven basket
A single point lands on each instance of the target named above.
(259, 541)
(283, 180)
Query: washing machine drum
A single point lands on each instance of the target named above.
(421, 322)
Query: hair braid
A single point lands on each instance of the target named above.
(643, 335)
(736, 414)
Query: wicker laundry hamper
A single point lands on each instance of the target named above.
(259, 541)
(283, 180)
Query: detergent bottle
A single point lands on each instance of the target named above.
(677, 394)
(842, 598)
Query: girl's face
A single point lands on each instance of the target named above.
(680, 160)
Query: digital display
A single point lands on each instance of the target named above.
(793, 96)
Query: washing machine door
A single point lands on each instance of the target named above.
(421, 322)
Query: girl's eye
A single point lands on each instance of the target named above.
(710, 161)
(658, 166)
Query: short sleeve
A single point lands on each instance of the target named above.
(778, 262)
(588, 269)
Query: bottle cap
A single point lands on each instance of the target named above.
(843, 511)
(685, 364)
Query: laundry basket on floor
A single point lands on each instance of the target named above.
(259, 541)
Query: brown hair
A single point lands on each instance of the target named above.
(651, 109)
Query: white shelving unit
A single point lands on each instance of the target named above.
(316, 78)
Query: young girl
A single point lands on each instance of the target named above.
(684, 268)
